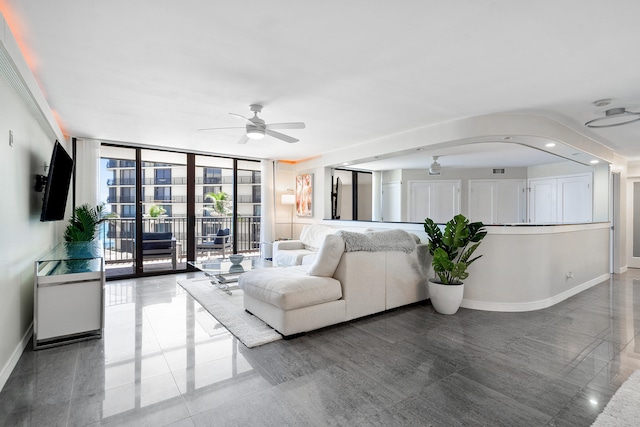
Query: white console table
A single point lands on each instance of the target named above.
(69, 294)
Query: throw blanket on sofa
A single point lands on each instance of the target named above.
(391, 240)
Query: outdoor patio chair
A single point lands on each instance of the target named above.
(221, 241)
(160, 246)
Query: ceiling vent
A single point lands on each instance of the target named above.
(498, 171)
(435, 168)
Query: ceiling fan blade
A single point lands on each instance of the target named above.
(241, 116)
(235, 127)
(243, 139)
(281, 136)
(294, 125)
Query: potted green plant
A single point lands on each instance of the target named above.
(83, 224)
(81, 229)
(451, 253)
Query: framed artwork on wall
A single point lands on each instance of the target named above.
(304, 194)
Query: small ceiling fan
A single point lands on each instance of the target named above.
(256, 128)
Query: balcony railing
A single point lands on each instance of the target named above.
(183, 181)
(118, 234)
(164, 200)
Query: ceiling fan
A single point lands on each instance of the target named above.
(435, 168)
(256, 128)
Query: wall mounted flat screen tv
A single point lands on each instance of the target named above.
(56, 189)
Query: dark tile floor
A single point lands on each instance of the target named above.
(165, 361)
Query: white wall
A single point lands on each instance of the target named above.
(557, 169)
(527, 268)
(24, 237)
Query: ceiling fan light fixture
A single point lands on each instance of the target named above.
(614, 117)
(435, 168)
(254, 133)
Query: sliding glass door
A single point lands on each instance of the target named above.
(214, 229)
(118, 182)
(163, 206)
(178, 206)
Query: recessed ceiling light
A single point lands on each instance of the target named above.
(550, 144)
(345, 164)
(594, 161)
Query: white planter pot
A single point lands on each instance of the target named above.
(446, 299)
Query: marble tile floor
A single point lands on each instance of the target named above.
(165, 361)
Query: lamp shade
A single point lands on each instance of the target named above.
(288, 199)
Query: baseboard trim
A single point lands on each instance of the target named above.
(15, 357)
(533, 305)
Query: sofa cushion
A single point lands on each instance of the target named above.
(291, 257)
(149, 243)
(222, 232)
(309, 259)
(289, 287)
(313, 235)
(328, 256)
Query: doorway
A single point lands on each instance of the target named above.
(633, 242)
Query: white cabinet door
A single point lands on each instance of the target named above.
(419, 200)
(512, 201)
(438, 200)
(542, 201)
(68, 308)
(575, 196)
(445, 201)
(392, 207)
(566, 199)
(497, 201)
(482, 201)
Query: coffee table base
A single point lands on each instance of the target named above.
(219, 282)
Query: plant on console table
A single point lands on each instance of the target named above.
(83, 224)
(82, 227)
(451, 253)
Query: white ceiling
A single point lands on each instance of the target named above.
(153, 72)
(477, 155)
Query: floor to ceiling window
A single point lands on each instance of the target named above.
(178, 206)
(164, 210)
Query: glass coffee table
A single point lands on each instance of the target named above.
(224, 274)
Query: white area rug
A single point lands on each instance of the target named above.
(229, 311)
(624, 408)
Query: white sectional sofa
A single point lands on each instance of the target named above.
(349, 278)
(303, 251)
